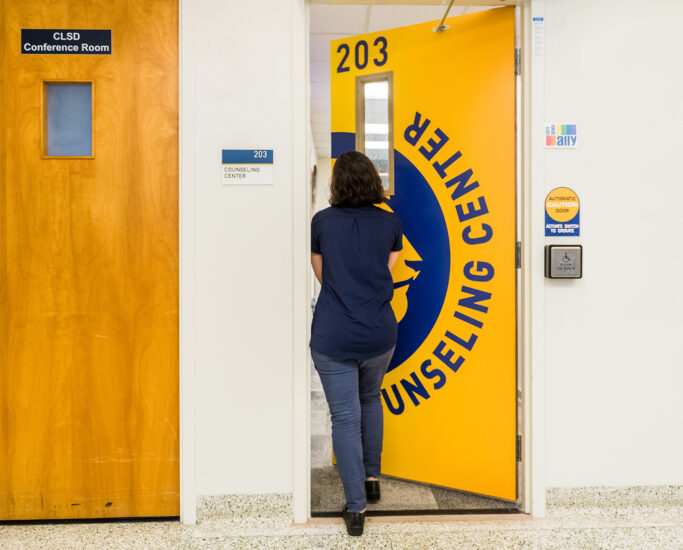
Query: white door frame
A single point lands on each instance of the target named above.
(533, 298)
(532, 291)
(532, 286)
(301, 279)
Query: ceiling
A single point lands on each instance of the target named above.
(329, 22)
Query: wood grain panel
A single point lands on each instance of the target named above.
(89, 272)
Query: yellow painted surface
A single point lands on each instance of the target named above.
(462, 435)
(89, 271)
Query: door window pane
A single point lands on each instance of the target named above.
(374, 124)
(377, 127)
(69, 119)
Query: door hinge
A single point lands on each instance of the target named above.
(518, 254)
(519, 447)
(518, 61)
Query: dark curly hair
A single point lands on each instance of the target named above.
(355, 181)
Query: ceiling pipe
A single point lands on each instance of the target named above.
(441, 27)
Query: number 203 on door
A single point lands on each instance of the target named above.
(363, 54)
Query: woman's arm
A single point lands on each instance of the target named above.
(317, 265)
(393, 256)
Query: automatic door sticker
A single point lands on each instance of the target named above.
(562, 213)
(561, 136)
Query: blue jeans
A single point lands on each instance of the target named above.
(352, 389)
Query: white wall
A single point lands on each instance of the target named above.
(244, 249)
(613, 367)
(322, 201)
(322, 196)
(614, 371)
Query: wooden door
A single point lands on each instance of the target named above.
(89, 270)
(437, 113)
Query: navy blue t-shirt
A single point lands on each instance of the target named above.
(353, 318)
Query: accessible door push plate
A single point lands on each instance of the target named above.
(563, 261)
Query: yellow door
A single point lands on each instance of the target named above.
(436, 112)
(89, 262)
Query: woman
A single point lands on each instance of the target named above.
(354, 245)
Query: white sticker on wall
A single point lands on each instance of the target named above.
(247, 166)
(538, 35)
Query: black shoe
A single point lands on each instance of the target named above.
(372, 490)
(354, 522)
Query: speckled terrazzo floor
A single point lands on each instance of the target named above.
(646, 518)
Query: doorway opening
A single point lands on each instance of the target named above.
(402, 494)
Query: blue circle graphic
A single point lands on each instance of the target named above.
(425, 227)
